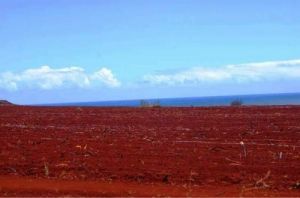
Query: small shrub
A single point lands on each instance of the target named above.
(144, 103)
(236, 103)
(156, 104)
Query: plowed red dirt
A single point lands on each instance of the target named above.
(216, 151)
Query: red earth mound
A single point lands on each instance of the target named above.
(216, 151)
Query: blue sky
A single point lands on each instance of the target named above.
(86, 50)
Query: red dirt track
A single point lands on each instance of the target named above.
(215, 151)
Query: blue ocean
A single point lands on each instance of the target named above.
(259, 99)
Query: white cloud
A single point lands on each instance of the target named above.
(272, 70)
(106, 76)
(47, 78)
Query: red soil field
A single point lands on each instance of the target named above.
(205, 151)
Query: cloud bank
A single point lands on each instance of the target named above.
(47, 78)
(273, 70)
